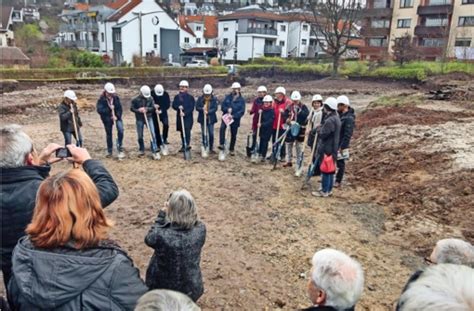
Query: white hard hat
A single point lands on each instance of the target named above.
(262, 88)
(207, 89)
(184, 83)
(159, 90)
(281, 90)
(235, 85)
(295, 95)
(343, 100)
(70, 94)
(145, 90)
(331, 102)
(109, 88)
(268, 98)
(317, 97)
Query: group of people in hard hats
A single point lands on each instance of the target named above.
(326, 127)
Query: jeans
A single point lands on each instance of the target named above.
(187, 131)
(289, 151)
(109, 134)
(140, 127)
(156, 127)
(317, 166)
(233, 135)
(68, 138)
(327, 182)
(210, 133)
(166, 127)
(264, 146)
(274, 138)
(341, 168)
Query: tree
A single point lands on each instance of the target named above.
(28, 37)
(223, 48)
(404, 49)
(333, 24)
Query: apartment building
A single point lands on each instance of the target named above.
(437, 27)
(200, 31)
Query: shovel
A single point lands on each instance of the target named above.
(156, 155)
(227, 119)
(187, 152)
(312, 166)
(164, 147)
(299, 163)
(76, 129)
(255, 155)
(205, 145)
(275, 155)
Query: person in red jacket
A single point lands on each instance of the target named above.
(279, 106)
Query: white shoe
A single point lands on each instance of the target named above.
(320, 194)
(156, 156)
(121, 155)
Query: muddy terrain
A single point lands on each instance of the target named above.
(409, 183)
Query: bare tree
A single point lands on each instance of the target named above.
(333, 24)
(404, 49)
(223, 48)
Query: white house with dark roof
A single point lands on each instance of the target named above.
(7, 38)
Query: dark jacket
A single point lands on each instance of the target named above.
(237, 104)
(298, 113)
(256, 106)
(18, 194)
(65, 118)
(187, 101)
(266, 128)
(175, 263)
(328, 136)
(164, 102)
(139, 102)
(64, 278)
(212, 109)
(347, 128)
(104, 110)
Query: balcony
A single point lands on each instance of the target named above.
(435, 9)
(272, 49)
(378, 12)
(92, 45)
(90, 27)
(67, 28)
(374, 32)
(262, 31)
(431, 32)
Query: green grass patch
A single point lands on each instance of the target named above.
(397, 101)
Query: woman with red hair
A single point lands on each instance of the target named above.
(66, 261)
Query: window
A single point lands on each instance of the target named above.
(303, 54)
(226, 41)
(155, 41)
(186, 39)
(198, 28)
(305, 27)
(198, 40)
(304, 42)
(282, 43)
(118, 37)
(406, 3)
(380, 23)
(207, 41)
(226, 27)
(462, 42)
(102, 37)
(439, 2)
(404, 23)
(467, 1)
(466, 21)
(379, 4)
(282, 28)
(432, 42)
(436, 21)
(380, 42)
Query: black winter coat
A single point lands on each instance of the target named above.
(175, 264)
(212, 109)
(187, 101)
(18, 192)
(65, 278)
(328, 137)
(300, 115)
(238, 107)
(266, 129)
(164, 102)
(139, 102)
(104, 110)
(65, 118)
(347, 128)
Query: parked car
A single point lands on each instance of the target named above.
(197, 63)
(172, 65)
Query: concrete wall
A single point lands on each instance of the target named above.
(283, 36)
(230, 35)
(250, 47)
(294, 38)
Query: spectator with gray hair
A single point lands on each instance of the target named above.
(22, 170)
(336, 282)
(165, 300)
(455, 251)
(177, 236)
(442, 287)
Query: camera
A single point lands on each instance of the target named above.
(63, 153)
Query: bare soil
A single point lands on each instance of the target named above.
(409, 183)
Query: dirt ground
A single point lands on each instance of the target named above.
(409, 183)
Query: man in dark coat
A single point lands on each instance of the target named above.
(234, 104)
(184, 104)
(256, 107)
(69, 126)
(347, 115)
(266, 125)
(142, 106)
(162, 104)
(206, 106)
(23, 170)
(110, 111)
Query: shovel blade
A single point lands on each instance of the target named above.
(221, 155)
(187, 154)
(164, 150)
(204, 152)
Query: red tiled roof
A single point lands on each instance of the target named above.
(81, 6)
(124, 10)
(116, 4)
(210, 24)
(199, 50)
(254, 15)
(183, 25)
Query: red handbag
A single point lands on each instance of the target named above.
(327, 165)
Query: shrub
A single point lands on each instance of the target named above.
(270, 61)
(87, 59)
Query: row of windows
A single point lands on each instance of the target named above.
(429, 22)
(426, 42)
(198, 40)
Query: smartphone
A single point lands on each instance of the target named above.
(63, 153)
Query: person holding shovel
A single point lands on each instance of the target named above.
(162, 104)
(184, 104)
(69, 120)
(266, 125)
(233, 105)
(256, 107)
(143, 107)
(279, 106)
(110, 111)
(206, 107)
(347, 116)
